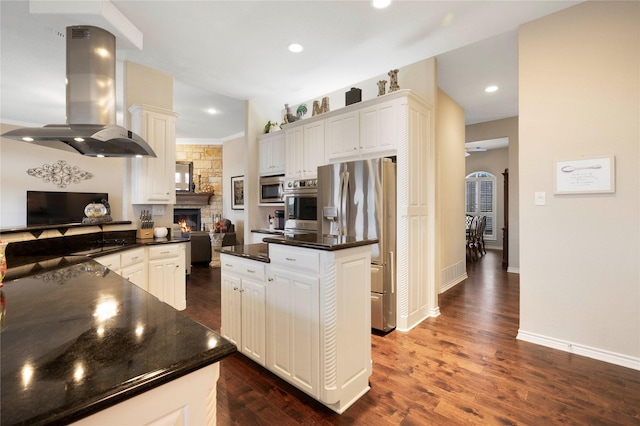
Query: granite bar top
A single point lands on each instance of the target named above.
(78, 338)
(258, 251)
(321, 242)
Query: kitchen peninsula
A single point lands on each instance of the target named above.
(301, 308)
(81, 343)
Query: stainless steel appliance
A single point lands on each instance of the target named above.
(272, 189)
(279, 219)
(91, 127)
(301, 205)
(358, 199)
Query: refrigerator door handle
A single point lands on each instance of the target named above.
(344, 214)
(340, 188)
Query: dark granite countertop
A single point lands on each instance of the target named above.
(78, 338)
(269, 231)
(321, 242)
(258, 251)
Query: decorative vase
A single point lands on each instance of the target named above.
(95, 210)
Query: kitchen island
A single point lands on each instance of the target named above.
(301, 308)
(82, 344)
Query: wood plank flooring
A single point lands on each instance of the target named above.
(463, 367)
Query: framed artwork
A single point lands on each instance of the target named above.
(594, 175)
(237, 193)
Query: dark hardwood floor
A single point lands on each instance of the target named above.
(462, 367)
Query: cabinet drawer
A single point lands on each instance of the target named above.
(295, 259)
(131, 257)
(245, 268)
(164, 250)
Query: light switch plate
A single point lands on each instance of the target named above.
(158, 210)
(541, 198)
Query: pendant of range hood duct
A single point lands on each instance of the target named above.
(91, 106)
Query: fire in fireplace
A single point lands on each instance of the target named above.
(188, 219)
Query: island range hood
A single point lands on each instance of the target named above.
(91, 127)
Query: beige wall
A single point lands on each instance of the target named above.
(507, 127)
(579, 254)
(450, 245)
(233, 159)
(17, 157)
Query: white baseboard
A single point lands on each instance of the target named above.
(574, 348)
(513, 270)
(450, 285)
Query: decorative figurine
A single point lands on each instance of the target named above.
(381, 87)
(320, 109)
(290, 118)
(393, 85)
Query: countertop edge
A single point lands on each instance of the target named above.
(126, 393)
(319, 246)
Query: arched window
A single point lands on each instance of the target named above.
(480, 199)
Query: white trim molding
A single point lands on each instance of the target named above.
(583, 350)
(513, 270)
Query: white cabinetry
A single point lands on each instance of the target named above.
(307, 319)
(153, 179)
(293, 323)
(305, 150)
(243, 297)
(368, 132)
(343, 136)
(271, 151)
(133, 266)
(167, 278)
(111, 261)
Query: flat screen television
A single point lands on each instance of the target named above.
(55, 208)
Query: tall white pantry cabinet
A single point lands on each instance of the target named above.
(152, 179)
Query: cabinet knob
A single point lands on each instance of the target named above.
(290, 259)
(270, 279)
(235, 288)
(251, 271)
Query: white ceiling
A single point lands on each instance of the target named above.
(224, 52)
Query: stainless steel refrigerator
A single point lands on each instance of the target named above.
(358, 199)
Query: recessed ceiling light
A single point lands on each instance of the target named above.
(380, 4)
(212, 111)
(491, 89)
(295, 48)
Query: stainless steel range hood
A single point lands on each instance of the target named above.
(91, 127)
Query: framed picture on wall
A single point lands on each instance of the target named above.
(237, 193)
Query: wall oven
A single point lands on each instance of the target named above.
(271, 189)
(301, 205)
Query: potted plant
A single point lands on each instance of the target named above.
(271, 126)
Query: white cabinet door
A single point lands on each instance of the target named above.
(111, 261)
(153, 179)
(379, 129)
(271, 149)
(293, 329)
(231, 302)
(254, 319)
(294, 152)
(342, 136)
(313, 149)
(136, 274)
(162, 279)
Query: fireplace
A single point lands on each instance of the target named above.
(190, 216)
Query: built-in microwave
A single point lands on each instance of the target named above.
(272, 189)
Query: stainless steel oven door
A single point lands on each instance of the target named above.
(301, 211)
